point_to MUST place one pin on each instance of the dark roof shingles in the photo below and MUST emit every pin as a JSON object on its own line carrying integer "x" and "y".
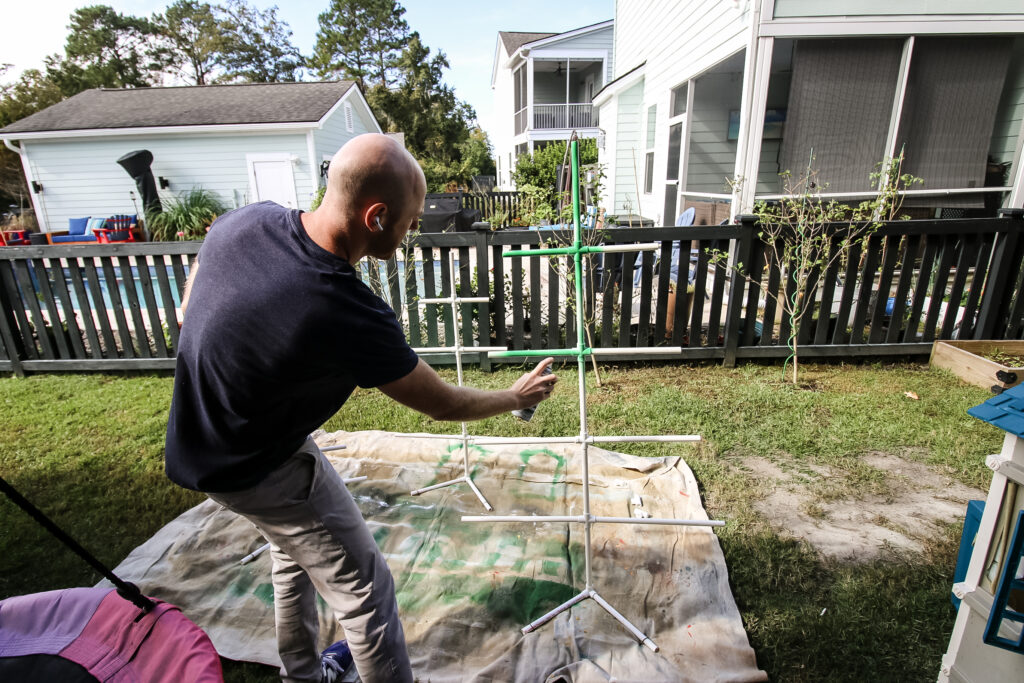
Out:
{"x": 513, "y": 40}
{"x": 250, "y": 103}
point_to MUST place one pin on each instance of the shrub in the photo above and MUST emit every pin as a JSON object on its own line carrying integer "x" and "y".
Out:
{"x": 186, "y": 217}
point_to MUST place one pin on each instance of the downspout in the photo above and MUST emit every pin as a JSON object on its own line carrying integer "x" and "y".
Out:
{"x": 38, "y": 206}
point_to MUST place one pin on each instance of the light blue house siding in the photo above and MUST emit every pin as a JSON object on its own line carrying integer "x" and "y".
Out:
{"x": 80, "y": 176}
{"x": 628, "y": 150}
{"x": 334, "y": 133}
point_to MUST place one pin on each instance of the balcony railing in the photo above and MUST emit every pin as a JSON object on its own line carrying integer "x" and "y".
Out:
{"x": 563, "y": 116}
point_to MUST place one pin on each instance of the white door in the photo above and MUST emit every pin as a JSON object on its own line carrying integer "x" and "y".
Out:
{"x": 272, "y": 179}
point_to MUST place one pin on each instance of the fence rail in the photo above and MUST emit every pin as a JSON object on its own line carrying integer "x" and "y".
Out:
{"x": 117, "y": 307}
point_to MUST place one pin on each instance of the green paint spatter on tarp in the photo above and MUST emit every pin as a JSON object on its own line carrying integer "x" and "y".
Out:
{"x": 550, "y": 567}
{"x": 521, "y": 600}
{"x": 559, "y": 466}
{"x": 380, "y": 535}
{"x": 265, "y": 593}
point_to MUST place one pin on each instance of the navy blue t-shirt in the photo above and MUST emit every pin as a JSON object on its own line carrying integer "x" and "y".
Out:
{"x": 277, "y": 335}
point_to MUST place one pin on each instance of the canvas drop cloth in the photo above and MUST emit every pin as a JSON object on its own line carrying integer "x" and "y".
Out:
{"x": 466, "y": 589}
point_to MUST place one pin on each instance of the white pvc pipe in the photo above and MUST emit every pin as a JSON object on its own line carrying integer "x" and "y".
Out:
{"x": 637, "y": 633}
{"x": 437, "y": 486}
{"x": 582, "y": 519}
{"x": 646, "y": 246}
{"x": 458, "y": 300}
{"x": 460, "y": 349}
{"x": 609, "y": 351}
{"x": 668, "y": 438}
{"x": 656, "y": 520}
{"x": 558, "y": 610}
{"x": 327, "y": 449}
{"x": 523, "y": 518}
{"x": 636, "y": 350}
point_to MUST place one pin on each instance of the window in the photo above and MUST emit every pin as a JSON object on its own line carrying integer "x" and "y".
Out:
{"x": 678, "y": 105}
{"x": 675, "y": 142}
{"x": 652, "y": 117}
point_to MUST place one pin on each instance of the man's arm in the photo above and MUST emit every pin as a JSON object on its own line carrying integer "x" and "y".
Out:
{"x": 423, "y": 390}
{"x": 188, "y": 286}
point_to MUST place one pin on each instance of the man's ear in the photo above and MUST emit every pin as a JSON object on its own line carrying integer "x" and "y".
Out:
{"x": 373, "y": 215}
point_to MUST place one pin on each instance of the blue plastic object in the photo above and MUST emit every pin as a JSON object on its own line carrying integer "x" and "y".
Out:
{"x": 975, "y": 508}
{"x": 1009, "y": 586}
{"x": 1005, "y": 411}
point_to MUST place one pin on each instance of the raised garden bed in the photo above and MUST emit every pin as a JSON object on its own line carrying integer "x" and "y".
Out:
{"x": 996, "y": 364}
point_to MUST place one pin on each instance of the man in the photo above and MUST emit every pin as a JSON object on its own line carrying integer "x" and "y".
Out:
{"x": 278, "y": 334}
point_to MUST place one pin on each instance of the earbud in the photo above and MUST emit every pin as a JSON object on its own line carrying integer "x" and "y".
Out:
{"x": 380, "y": 228}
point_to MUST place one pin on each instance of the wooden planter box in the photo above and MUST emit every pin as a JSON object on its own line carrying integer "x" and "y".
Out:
{"x": 966, "y": 360}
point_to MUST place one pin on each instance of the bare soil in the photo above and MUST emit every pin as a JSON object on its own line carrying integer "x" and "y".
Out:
{"x": 891, "y": 504}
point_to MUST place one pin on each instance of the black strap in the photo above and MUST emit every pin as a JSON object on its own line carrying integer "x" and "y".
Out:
{"x": 128, "y": 591}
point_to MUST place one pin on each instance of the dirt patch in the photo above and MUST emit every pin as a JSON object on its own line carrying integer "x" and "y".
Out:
{"x": 905, "y": 503}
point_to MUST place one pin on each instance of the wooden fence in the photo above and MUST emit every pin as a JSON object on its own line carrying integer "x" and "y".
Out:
{"x": 493, "y": 205}
{"x": 116, "y": 307}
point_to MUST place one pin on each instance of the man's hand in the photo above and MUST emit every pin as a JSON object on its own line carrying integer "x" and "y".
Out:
{"x": 424, "y": 391}
{"x": 534, "y": 387}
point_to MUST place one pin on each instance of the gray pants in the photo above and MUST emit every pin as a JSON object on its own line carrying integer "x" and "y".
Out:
{"x": 320, "y": 544}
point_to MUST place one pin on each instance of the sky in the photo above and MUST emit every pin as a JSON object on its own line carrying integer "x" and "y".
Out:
{"x": 465, "y": 30}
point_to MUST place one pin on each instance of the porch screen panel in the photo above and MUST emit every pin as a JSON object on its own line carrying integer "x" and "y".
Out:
{"x": 949, "y": 113}
{"x": 840, "y": 103}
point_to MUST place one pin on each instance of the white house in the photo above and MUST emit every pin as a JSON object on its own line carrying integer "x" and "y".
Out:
{"x": 847, "y": 83}
{"x": 246, "y": 143}
{"x": 543, "y": 85}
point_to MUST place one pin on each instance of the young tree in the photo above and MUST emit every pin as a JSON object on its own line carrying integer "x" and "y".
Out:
{"x": 806, "y": 233}
{"x": 257, "y": 45}
{"x": 361, "y": 40}
{"x": 191, "y": 42}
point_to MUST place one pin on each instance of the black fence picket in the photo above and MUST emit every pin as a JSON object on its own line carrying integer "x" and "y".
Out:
{"x": 114, "y": 307}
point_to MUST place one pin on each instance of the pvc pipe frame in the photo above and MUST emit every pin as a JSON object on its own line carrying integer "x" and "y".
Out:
{"x": 584, "y": 439}
{"x": 458, "y": 350}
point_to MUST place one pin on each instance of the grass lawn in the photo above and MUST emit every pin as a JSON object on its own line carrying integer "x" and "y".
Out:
{"x": 87, "y": 449}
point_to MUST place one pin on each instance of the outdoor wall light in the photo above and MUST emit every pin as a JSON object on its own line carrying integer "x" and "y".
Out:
{"x": 37, "y": 187}
{"x": 164, "y": 182}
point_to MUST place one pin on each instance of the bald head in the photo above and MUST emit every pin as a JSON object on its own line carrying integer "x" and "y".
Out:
{"x": 373, "y": 168}
{"x": 374, "y": 197}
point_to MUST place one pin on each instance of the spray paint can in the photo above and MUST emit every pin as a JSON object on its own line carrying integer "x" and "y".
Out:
{"x": 527, "y": 413}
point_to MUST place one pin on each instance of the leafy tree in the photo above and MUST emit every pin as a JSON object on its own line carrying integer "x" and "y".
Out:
{"x": 32, "y": 92}
{"x": 539, "y": 168}
{"x": 104, "y": 49}
{"x": 257, "y": 45}
{"x": 361, "y": 40}
{"x": 435, "y": 122}
{"x": 191, "y": 40}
